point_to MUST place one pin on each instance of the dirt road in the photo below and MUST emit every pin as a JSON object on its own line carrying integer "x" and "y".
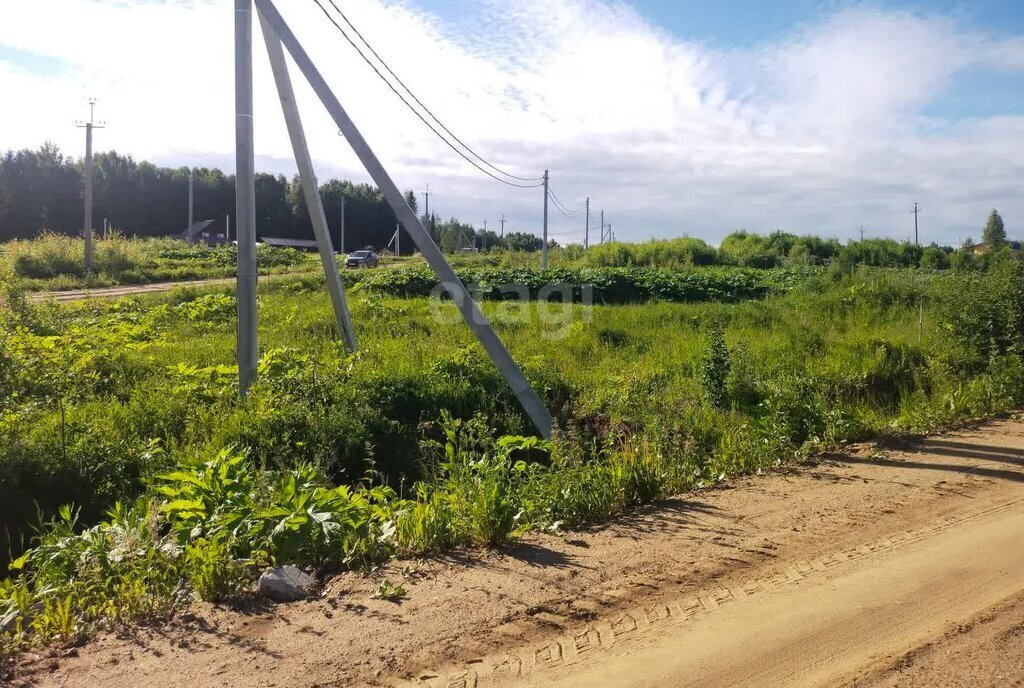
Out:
{"x": 154, "y": 287}
{"x": 880, "y": 567}
{"x": 123, "y": 290}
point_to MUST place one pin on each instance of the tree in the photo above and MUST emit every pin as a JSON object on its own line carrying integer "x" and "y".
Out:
{"x": 995, "y": 233}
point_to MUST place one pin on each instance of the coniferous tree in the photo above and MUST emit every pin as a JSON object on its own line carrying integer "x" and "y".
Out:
{"x": 995, "y": 232}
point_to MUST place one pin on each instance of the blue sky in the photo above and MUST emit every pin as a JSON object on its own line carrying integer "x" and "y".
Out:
{"x": 675, "y": 117}
{"x": 746, "y": 23}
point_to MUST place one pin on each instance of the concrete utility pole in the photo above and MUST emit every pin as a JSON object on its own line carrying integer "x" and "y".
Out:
{"x": 503, "y": 225}
{"x": 245, "y": 198}
{"x": 398, "y": 245}
{"x": 586, "y": 233}
{"x": 474, "y": 317}
{"x": 426, "y": 202}
{"x": 917, "y": 211}
{"x": 89, "y": 173}
{"x": 191, "y": 216}
{"x": 544, "y": 247}
{"x": 227, "y": 228}
{"x": 341, "y": 226}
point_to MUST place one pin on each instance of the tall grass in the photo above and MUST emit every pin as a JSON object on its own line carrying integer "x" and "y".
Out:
{"x": 415, "y": 444}
{"x": 57, "y": 261}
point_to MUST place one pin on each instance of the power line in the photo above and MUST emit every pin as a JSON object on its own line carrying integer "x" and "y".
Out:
{"x": 561, "y": 206}
{"x": 555, "y": 198}
{"x": 425, "y": 108}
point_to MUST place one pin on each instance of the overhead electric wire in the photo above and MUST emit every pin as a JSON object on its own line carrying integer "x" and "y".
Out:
{"x": 559, "y": 203}
{"x": 425, "y": 108}
{"x": 560, "y": 207}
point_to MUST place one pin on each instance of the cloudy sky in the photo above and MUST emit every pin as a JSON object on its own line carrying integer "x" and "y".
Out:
{"x": 675, "y": 116}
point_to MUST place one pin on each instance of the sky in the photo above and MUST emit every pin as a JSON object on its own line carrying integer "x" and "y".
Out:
{"x": 676, "y": 117}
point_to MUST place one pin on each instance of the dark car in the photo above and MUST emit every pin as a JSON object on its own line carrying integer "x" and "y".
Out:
{"x": 362, "y": 259}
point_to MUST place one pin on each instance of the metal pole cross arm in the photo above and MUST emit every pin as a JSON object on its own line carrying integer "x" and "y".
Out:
{"x": 474, "y": 317}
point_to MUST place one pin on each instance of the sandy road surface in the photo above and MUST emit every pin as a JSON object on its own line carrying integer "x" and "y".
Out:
{"x": 154, "y": 287}
{"x": 124, "y": 290}
{"x": 880, "y": 567}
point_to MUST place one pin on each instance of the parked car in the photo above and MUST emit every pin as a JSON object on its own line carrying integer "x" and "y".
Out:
{"x": 362, "y": 259}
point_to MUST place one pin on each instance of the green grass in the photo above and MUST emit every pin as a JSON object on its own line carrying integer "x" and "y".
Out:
{"x": 56, "y": 261}
{"x": 415, "y": 444}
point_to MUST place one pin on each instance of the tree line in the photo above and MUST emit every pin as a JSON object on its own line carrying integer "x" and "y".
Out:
{"x": 41, "y": 190}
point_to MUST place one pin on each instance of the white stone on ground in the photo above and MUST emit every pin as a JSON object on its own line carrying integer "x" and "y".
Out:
{"x": 286, "y": 584}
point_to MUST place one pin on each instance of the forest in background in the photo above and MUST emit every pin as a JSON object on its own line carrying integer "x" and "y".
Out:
{"x": 41, "y": 190}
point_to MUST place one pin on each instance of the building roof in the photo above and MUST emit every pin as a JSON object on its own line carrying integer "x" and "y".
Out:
{"x": 983, "y": 246}
{"x": 208, "y": 227}
{"x": 291, "y": 243}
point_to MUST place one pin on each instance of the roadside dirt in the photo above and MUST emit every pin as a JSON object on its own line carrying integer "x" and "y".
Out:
{"x": 988, "y": 650}
{"x": 898, "y": 566}
{"x": 119, "y": 291}
{"x": 153, "y": 287}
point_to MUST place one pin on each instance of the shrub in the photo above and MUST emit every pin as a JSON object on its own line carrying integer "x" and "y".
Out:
{"x": 713, "y": 368}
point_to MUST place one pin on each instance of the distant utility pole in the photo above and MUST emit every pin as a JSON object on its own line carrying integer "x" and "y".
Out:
{"x": 426, "y": 202}
{"x": 544, "y": 247}
{"x": 341, "y": 226}
{"x": 611, "y": 234}
{"x": 862, "y": 233}
{"x": 586, "y": 233}
{"x": 191, "y": 216}
{"x": 87, "y": 222}
{"x": 917, "y": 211}
{"x": 503, "y": 225}
{"x": 602, "y": 227}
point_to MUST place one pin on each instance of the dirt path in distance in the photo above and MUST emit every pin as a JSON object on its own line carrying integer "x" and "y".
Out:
{"x": 153, "y": 287}
{"x": 878, "y": 567}
{"x": 122, "y": 290}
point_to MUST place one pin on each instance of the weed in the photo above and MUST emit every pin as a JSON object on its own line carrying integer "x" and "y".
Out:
{"x": 386, "y": 590}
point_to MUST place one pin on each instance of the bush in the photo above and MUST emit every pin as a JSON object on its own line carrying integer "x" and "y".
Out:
{"x": 713, "y": 369}
{"x": 604, "y": 285}
{"x": 985, "y": 312}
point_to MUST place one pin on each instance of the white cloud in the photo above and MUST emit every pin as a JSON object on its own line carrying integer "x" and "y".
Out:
{"x": 820, "y": 132}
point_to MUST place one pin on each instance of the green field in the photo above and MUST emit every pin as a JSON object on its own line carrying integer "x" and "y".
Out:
{"x": 415, "y": 444}
{"x": 54, "y": 261}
